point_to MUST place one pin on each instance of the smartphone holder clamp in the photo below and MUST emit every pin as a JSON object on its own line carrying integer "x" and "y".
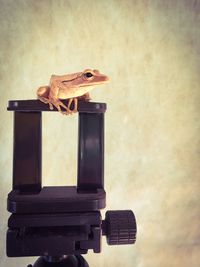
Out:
{"x": 60, "y": 223}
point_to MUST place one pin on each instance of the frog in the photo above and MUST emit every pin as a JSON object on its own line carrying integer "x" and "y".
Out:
{"x": 74, "y": 87}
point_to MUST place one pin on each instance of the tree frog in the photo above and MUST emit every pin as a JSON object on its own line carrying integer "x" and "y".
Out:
{"x": 70, "y": 86}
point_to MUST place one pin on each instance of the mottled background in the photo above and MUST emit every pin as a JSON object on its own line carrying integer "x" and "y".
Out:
{"x": 151, "y": 52}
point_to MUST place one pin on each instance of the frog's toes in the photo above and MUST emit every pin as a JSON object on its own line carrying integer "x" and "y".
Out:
{"x": 50, "y": 106}
{"x": 67, "y": 112}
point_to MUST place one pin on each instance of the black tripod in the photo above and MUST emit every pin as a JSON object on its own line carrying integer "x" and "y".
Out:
{"x": 61, "y": 223}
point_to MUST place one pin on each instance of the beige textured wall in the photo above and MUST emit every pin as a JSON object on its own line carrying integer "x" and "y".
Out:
{"x": 151, "y": 51}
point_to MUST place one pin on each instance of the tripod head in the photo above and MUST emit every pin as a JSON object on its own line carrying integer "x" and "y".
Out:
{"x": 63, "y": 261}
{"x": 53, "y": 222}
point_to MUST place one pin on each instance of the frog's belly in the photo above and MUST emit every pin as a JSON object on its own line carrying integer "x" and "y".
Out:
{"x": 73, "y": 92}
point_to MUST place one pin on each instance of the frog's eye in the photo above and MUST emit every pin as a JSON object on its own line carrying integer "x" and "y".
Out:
{"x": 88, "y": 75}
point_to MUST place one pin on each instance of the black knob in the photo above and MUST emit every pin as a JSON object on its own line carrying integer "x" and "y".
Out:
{"x": 120, "y": 227}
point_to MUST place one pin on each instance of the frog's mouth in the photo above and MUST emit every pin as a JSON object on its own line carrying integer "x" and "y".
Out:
{"x": 93, "y": 84}
{"x": 98, "y": 82}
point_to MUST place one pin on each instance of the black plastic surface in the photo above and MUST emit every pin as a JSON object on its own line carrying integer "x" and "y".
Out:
{"x": 37, "y": 105}
{"x": 66, "y": 261}
{"x": 56, "y": 199}
{"x": 91, "y": 152}
{"x": 120, "y": 227}
{"x": 58, "y": 221}
{"x": 70, "y": 233}
{"x": 27, "y": 151}
{"x": 54, "y": 219}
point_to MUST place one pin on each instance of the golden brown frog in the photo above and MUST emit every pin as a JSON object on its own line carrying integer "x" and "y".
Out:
{"x": 70, "y": 86}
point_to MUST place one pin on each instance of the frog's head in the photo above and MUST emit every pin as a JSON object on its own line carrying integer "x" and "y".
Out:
{"x": 90, "y": 78}
{"x": 94, "y": 77}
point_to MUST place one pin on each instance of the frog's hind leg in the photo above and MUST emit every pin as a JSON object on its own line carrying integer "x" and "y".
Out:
{"x": 43, "y": 95}
{"x": 46, "y": 101}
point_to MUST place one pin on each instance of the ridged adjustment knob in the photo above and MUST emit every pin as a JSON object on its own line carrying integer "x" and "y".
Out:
{"x": 120, "y": 227}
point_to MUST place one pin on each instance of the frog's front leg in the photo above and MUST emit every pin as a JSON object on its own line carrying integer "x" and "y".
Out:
{"x": 75, "y": 104}
{"x": 86, "y": 97}
{"x": 58, "y": 104}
